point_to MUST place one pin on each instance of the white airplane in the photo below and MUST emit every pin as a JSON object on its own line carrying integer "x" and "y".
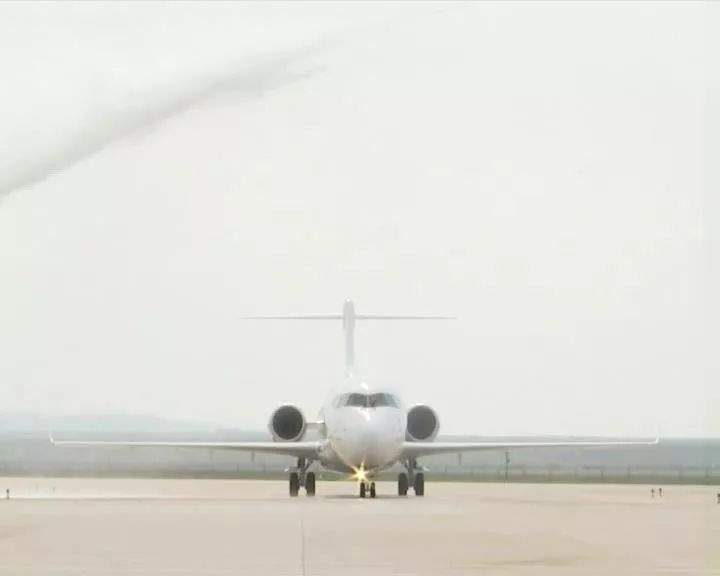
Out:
{"x": 362, "y": 430}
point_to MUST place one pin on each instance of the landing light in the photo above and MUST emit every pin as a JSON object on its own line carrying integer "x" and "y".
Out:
{"x": 360, "y": 474}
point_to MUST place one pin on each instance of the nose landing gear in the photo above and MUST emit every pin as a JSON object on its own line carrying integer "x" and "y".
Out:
{"x": 366, "y": 487}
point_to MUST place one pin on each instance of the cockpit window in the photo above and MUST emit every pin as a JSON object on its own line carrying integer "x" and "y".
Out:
{"x": 381, "y": 399}
{"x": 358, "y": 400}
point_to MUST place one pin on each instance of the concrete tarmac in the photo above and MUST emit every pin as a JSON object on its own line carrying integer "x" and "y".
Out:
{"x": 123, "y": 527}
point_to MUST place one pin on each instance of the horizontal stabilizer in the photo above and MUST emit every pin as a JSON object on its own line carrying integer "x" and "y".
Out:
{"x": 348, "y": 318}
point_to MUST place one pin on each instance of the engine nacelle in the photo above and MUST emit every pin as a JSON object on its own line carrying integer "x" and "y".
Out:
{"x": 287, "y": 424}
{"x": 423, "y": 423}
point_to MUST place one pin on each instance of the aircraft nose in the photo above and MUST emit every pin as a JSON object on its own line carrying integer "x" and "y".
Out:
{"x": 370, "y": 440}
{"x": 370, "y": 436}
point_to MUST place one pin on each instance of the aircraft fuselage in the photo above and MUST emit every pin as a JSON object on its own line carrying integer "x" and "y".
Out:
{"x": 369, "y": 436}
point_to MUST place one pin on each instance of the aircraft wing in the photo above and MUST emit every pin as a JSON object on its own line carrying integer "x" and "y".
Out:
{"x": 417, "y": 449}
{"x": 296, "y": 449}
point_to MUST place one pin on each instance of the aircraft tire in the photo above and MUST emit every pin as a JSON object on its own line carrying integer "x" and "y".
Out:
{"x": 310, "y": 483}
{"x": 362, "y": 489}
{"x": 294, "y": 484}
{"x": 419, "y": 484}
{"x": 402, "y": 484}
{"x": 372, "y": 490}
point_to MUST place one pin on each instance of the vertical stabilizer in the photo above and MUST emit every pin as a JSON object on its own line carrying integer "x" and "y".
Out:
{"x": 348, "y": 318}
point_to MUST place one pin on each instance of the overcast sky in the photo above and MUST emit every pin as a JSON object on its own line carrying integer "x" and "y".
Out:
{"x": 547, "y": 172}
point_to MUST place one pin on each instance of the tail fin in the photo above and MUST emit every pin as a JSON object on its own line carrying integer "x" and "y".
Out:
{"x": 349, "y": 317}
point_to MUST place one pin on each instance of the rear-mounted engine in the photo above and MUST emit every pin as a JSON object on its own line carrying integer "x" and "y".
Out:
{"x": 422, "y": 423}
{"x": 287, "y": 424}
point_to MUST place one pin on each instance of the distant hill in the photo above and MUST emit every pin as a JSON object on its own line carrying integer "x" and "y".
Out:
{"x": 118, "y": 427}
{"x": 136, "y": 423}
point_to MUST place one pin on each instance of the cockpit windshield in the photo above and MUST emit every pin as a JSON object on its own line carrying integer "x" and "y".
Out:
{"x": 358, "y": 400}
{"x": 381, "y": 399}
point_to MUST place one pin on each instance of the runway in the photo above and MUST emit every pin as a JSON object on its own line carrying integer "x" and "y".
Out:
{"x": 221, "y": 527}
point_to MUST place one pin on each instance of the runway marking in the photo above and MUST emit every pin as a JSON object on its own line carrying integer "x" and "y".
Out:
{"x": 302, "y": 546}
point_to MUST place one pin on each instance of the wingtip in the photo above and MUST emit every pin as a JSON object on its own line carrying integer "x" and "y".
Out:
{"x": 657, "y": 434}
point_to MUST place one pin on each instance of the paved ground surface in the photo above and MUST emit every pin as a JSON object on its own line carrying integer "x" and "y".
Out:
{"x": 210, "y": 527}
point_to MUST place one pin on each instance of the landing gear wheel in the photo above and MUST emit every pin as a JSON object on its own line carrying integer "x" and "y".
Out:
{"x": 402, "y": 484}
{"x": 362, "y": 489}
{"x": 294, "y": 484}
{"x": 372, "y": 490}
{"x": 310, "y": 483}
{"x": 419, "y": 484}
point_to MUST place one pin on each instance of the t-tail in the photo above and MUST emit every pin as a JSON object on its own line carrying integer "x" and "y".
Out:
{"x": 349, "y": 317}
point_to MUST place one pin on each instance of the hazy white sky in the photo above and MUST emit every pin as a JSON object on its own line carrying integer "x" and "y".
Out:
{"x": 544, "y": 171}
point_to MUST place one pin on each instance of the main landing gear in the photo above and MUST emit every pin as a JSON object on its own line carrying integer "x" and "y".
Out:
{"x": 301, "y": 478}
{"x": 414, "y": 477}
{"x": 367, "y": 487}
{"x": 419, "y": 484}
{"x": 402, "y": 484}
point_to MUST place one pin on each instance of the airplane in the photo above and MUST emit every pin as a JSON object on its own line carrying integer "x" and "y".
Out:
{"x": 362, "y": 430}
